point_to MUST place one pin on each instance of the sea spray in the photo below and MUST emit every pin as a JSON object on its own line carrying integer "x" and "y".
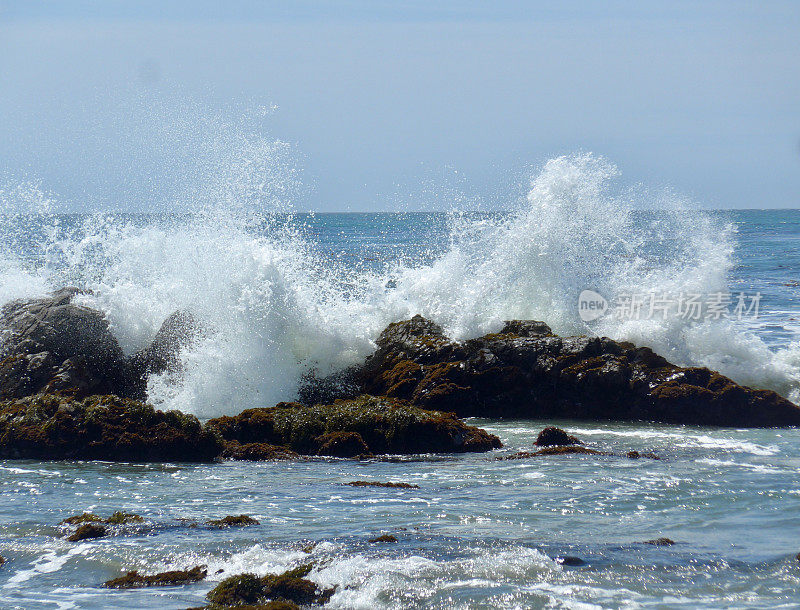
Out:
{"x": 274, "y": 307}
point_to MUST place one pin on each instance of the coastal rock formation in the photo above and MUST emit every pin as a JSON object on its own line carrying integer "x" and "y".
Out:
{"x": 52, "y": 345}
{"x": 385, "y": 425}
{"x": 526, "y": 371}
{"x": 49, "y": 426}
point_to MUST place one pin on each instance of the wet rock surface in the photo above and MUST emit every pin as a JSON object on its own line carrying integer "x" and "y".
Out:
{"x": 526, "y": 371}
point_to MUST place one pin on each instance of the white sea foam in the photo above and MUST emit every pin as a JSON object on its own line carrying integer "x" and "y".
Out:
{"x": 272, "y": 308}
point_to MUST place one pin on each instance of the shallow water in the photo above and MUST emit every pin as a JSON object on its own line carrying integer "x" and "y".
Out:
{"x": 477, "y": 533}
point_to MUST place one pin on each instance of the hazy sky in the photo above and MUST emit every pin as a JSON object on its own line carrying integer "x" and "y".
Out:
{"x": 398, "y": 104}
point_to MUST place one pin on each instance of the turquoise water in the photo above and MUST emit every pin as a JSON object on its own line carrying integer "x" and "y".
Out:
{"x": 478, "y": 532}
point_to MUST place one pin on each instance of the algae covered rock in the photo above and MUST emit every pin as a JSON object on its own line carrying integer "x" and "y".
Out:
{"x": 552, "y": 436}
{"x": 249, "y": 589}
{"x": 88, "y": 531}
{"x": 385, "y": 425}
{"x": 232, "y": 521}
{"x": 172, "y": 578}
{"x": 54, "y": 427}
{"x": 341, "y": 444}
{"x": 526, "y": 371}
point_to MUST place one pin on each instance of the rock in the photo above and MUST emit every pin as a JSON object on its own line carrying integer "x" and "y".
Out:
{"x": 2, "y": 560}
{"x": 341, "y": 444}
{"x": 386, "y": 425}
{"x": 133, "y": 579}
{"x": 569, "y": 560}
{"x": 557, "y": 450}
{"x": 52, "y": 427}
{"x": 527, "y": 372}
{"x": 379, "y": 484}
{"x": 257, "y": 452}
{"x": 232, "y": 521}
{"x": 177, "y": 332}
{"x": 82, "y": 518}
{"x": 51, "y": 344}
{"x": 249, "y": 589}
{"x": 384, "y": 538}
{"x": 87, "y": 531}
{"x": 660, "y": 542}
{"x": 551, "y": 436}
{"x": 117, "y": 518}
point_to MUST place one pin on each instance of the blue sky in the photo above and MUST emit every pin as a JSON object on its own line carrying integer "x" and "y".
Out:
{"x": 389, "y": 105}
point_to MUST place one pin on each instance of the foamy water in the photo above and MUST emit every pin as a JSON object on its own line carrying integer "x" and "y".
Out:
{"x": 478, "y": 533}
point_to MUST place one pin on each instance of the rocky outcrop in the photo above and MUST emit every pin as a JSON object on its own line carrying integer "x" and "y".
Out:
{"x": 52, "y": 345}
{"x": 385, "y": 425}
{"x": 49, "y": 426}
{"x": 526, "y": 371}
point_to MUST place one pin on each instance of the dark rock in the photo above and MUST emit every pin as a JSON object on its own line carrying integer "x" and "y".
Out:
{"x": 384, "y": 538}
{"x": 526, "y": 371}
{"x": 87, "y": 531}
{"x": 51, "y": 344}
{"x": 2, "y": 560}
{"x": 569, "y": 560}
{"x": 660, "y": 542}
{"x": 133, "y": 579}
{"x": 551, "y": 436}
{"x": 82, "y": 518}
{"x": 386, "y": 425}
{"x": 53, "y": 427}
{"x": 249, "y": 589}
{"x": 117, "y": 518}
{"x": 526, "y": 328}
{"x": 341, "y": 444}
{"x": 379, "y": 484}
{"x": 177, "y": 332}
{"x": 232, "y": 521}
{"x": 257, "y": 452}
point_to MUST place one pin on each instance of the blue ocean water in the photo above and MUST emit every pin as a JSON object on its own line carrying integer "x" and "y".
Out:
{"x": 282, "y": 294}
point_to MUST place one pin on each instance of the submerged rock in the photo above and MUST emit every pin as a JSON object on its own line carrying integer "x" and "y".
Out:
{"x": 233, "y": 521}
{"x": 117, "y": 518}
{"x": 101, "y": 428}
{"x": 133, "y": 580}
{"x": 569, "y": 560}
{"x": 527, "y": 371}
{"x": 379, "y": 484}
{"x": 385, "y": 425}
{"x": 660, "y": 542}
{"x": 551, "y": 436}
{"x": 555, "y": 450}
{"x": 384, "y": 538}
{"x": 249, "y": 589}
{"x": 87, "y": 531}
